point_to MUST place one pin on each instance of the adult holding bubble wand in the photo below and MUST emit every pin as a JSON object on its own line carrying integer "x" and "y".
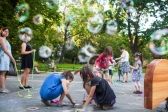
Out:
{"x": 26, "y": 59}
{"x": 5, "y": 57}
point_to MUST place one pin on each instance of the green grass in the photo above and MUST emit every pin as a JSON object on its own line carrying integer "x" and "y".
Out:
{"x": 59, "y": 67}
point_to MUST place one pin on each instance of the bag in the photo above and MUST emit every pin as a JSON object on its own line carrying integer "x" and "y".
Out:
{"x": 12, "y": 71}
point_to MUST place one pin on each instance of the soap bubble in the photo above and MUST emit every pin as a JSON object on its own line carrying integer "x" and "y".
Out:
{"x": 86, "y": 53}
{"x": 111, "y": 27}
{"x": 45, "y": 52}
{"x": 22, "y": 12}
{"x": 69, "y": 44}
{"x": 25, "y": 34}
{"x": 159, "y": 42}
{"x": 38, "y": 19}
{"x": 95, "y": 23}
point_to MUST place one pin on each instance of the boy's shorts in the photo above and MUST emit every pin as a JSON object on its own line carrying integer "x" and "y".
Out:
{"x": 110, "y": 72}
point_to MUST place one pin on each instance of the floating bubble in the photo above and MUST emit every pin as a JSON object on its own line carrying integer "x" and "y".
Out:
{"x": 25, "y": 34}
{"x": 69, "y": 44}
{"x": 22, "y": 12}
{"x": 38, "y": 19}
{"x": 52, "y": 3}
{"x": 133, "y": 12}
{"x": 95, "y": 8}
{"x": 111, "y": 27}
{"x": 95, "y": 23}
{"x": 159, "y": 42}
{"x": 86, "y": 52}
{"x": 45, "y": 52}
{"x": 126, "y": 3}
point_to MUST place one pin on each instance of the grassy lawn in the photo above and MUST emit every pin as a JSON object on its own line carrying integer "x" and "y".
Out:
{"x": 59, "y": 67}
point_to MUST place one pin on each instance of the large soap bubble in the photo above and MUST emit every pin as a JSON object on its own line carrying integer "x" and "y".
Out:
{"x": 25, "y": 34}
{"x": 159, "y": 42}
{"x": 111, "y": 27}
{"x": 38, "y": 19}
{"x": 69, "y": 44}
{"x": 95, "y": 23}
{"x": 86, "y": 52}
{"x": 45, "y": 52}
{"x": 22, "y": 12}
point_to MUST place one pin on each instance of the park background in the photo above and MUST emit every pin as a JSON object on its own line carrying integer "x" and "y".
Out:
{"x": 68, "y": 19}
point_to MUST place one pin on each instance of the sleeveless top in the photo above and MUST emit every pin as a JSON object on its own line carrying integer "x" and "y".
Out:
{"x": 4, "y": 58}
{"x": 27, "y": 59}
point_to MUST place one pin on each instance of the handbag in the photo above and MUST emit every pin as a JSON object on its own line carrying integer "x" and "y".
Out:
{"x": 12, "y": 71}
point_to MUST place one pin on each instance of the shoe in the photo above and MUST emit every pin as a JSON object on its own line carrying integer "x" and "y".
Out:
{"x": 21, "y": 87}
{"x": 139, "y": 92}
{"x": 135, "y": 92}
{"x": 27, "y": 87}
{"x": 4, "y": 91}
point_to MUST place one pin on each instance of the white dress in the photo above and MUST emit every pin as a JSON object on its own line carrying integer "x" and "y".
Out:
{"x": 4, "y": 58}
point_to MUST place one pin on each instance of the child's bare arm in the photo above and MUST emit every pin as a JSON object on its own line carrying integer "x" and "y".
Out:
{"x": 90, "y": 96}
{"x": 66, "y": 91}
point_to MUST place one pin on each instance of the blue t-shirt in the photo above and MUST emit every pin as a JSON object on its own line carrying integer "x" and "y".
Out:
{"x": 52, "y": 87}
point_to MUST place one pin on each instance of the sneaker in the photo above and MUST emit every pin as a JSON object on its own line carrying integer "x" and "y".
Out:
{"x": 139, "y": 92}
{"x": 4, "y": 91}
{"x": 135, "y": 92}
{"x": 21, "y": 87}
{"x": 27, "y": 87}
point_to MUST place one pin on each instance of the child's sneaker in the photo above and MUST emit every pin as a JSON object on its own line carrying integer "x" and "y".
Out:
{"x": 139, "y": 92}
{"x": 4, "y": 91}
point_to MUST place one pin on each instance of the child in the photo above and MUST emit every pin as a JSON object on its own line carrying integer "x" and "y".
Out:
{"x": 97, "y": 89}
{"x": 125, "y": 68}
{"x": 137, "y": 73}
{"x": 102, "y": 62}
{"x": 111, "y": 65}
{"x": 92, "y": 65}
{"x": 55, "y": 85}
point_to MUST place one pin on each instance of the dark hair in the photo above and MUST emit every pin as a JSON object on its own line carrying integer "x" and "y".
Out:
{"x": 108, "y": 50}
{"x": 68, "y": 75}
{"x": 93, "y": 59}
{"x": 3, "y": 29}
{"x": 137, "y": 54}
{"x": 86, "y": 73}
{"x": 122, "y": 47}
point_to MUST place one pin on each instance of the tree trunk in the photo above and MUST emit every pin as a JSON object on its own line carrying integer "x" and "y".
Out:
{"x": 64, "y": 43}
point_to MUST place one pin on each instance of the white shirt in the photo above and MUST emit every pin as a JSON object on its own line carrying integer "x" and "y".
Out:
{"x": 124, "y": 56}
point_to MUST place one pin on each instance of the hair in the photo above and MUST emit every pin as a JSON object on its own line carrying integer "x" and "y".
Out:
{"x": 0, "y": 30}
{"x": 122, "y": 47}
{"x": 93, "y": 59}
{"x": 137, "y": 54}
{"x": 3, "y": 29}
{"x": 68, "y": 75}
{"x": 108, "y": 50}
{"x": 86, "y": 73}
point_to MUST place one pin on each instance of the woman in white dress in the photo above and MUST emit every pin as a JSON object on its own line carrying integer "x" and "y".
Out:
{"x": 5, "y": 57}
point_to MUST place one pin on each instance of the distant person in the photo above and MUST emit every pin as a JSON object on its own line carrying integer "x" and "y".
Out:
{"x": 102, "y": 62}
{"x": 26, "y": 62}
{"x": 5, "y": 58}
{"x": 97, "y": 89}
{"x": 137, "y": 73}
{"x": 124, "y": 59}
{"x": 56, "y": 85}
{"x": 119, "y": 71}
{"x": 110, "y": 68}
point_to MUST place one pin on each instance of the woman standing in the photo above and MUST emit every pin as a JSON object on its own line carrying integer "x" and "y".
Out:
{"x": 5, "y": 57}
{"x": 26, "y": 62}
